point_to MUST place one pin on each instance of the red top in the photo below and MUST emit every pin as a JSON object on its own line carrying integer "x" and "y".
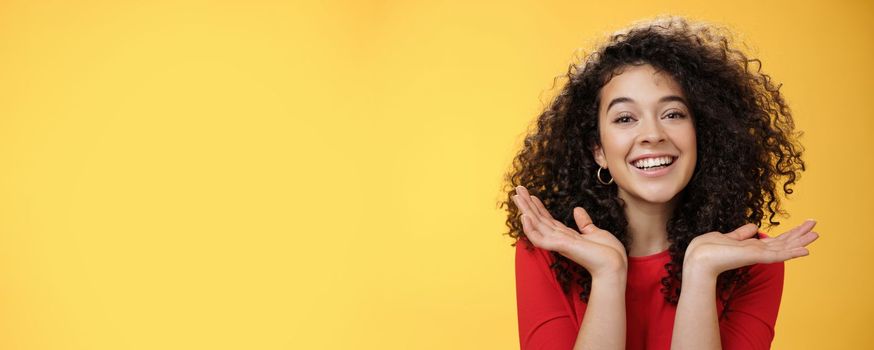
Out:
{"x": 550, "y": 319}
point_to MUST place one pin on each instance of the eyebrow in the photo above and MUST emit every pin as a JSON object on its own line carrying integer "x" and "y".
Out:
{"x": 662, "y": 100}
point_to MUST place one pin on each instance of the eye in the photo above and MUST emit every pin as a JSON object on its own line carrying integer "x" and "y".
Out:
{"x": 623, "y": 118}
{"x": 675, "y": 115}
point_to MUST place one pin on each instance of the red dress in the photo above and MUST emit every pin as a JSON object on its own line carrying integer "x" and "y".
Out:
{"x": 550, "y": 319}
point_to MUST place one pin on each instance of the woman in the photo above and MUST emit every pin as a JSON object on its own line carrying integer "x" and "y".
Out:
{"x": 649, "y": 175}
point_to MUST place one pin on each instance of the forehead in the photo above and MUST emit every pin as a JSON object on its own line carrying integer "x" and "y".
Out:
{"x": 640, "y": 83}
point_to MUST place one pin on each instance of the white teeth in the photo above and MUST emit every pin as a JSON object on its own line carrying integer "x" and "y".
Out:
{"x": 652, "y": 162}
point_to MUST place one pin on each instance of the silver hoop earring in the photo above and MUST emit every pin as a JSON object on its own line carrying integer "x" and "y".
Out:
{"x": 602, "y": 181}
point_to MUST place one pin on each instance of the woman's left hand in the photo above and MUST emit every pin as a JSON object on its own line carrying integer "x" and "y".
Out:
{"x": 715, "y": 252}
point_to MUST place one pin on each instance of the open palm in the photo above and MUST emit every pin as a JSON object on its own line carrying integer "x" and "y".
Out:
{"x": 593, "y": 248}
{"x": 716, "y": 252}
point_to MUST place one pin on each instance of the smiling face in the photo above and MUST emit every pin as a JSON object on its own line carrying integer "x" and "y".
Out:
{"x": 647, "y": 135}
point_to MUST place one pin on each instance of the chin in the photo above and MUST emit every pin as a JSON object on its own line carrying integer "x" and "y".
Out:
{"x": 660, "y": 198}
{"x": 655, "y": 194}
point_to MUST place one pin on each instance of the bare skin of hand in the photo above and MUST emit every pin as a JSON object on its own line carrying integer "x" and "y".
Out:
{"x": 597, "y": 250}
{"x": 715, "y": 252}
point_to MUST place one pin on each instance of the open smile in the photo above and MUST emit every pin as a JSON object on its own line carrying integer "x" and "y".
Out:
{"x": 654, "y": 167}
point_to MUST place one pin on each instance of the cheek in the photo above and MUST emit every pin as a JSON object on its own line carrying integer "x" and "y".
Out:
{"x": 615, "y": 139}
{"x": 690, "y": 144}
{"x": 616, "y": 148}
{"x": 684, "y": 136}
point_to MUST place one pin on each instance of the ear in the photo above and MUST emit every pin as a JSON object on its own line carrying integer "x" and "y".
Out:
{"x": 598, "y": 154}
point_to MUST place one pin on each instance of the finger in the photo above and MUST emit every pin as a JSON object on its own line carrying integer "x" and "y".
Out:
{"x": 523, "y": 201}
{"x": 773, "y": 256}
{"x": 534, "y": 236}
{"x": 538, "y": 204}
{"x": 744, "y": 232}
{"x": 584, "y": 221}
{"x": 800, "y": 242}
{"x": 548, "y": 240}
{"x": 806, "y": 239}
{"x": 523, "y": 207}
{"x": 799, "y": 230}
{"x": 794, "y": 253}
{"x": 538, "y": 222}
{"x": 543, "y": 212}
{"x": 523, "y": 204}
{"x": 529, "y": 230}
{"x": 522, "y": 191}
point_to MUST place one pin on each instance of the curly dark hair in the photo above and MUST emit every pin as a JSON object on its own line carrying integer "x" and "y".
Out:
{"x": 746, "y": 144}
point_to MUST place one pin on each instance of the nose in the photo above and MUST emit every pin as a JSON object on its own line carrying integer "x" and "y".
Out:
{"x": 652, "y": 131}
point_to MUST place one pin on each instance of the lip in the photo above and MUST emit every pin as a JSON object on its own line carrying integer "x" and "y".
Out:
{"x": 656, "y": 172}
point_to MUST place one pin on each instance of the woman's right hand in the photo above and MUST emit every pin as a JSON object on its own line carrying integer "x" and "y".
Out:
{"x": 597, "y": 250}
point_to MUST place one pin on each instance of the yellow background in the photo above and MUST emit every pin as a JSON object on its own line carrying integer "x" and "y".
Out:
{"x": 324, "y": 174}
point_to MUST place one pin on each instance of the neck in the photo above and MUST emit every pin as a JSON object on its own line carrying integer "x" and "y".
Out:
{"x": 647, "y": 224}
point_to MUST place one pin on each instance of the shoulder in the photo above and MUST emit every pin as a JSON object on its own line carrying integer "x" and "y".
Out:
{"x": 524, "y": 246}
{"x": 534, "y": 263}
{"x": 528, "y": 253}
{"x": 751, "y": 315}
{"x": 536, "y": 280}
